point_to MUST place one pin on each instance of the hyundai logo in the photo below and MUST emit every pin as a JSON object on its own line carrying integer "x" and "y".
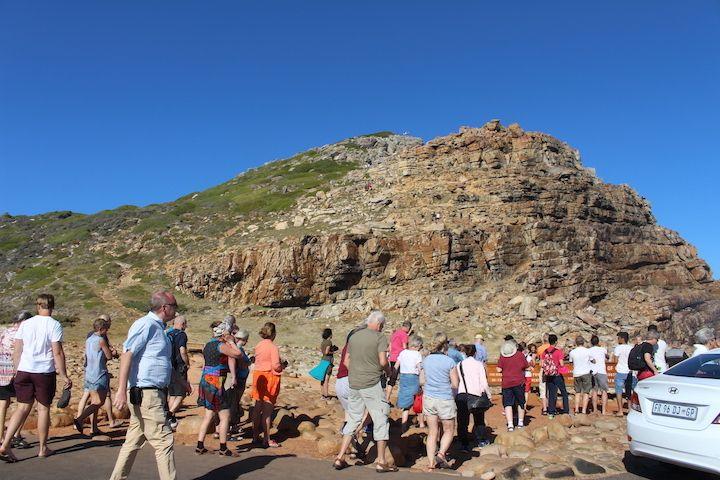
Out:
{"x": 673, "y": 390}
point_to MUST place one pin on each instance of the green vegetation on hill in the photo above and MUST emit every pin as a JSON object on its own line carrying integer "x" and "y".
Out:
{"x": 112, "y": 260}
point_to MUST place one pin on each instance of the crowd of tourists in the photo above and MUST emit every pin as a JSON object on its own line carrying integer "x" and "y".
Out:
{"x": 443, "y": 383}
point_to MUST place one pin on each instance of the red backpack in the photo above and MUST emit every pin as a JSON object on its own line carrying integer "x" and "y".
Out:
{"x": 548, "y": 365}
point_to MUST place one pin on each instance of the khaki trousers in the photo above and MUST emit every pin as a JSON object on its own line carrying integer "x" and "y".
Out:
{"x": 148, "y": 423}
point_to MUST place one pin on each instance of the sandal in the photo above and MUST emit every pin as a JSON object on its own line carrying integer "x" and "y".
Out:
{"x": 441, "y": 462}
{"x": 19, "y": 442}
{"x": 235, "y": 437}
{"x": 385, "y": 468}
{"x": 227, "y": 453}
{"x": 272, "y": 444}
{"x": 78, "y": 426}
{"x": 201, "y": 451}
{"x": 340, "y": 464}
{"x": 48, "y": 453}
{"x": 8, "y": 457}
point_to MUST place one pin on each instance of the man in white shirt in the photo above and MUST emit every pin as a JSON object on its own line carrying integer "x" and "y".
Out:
{"x": 705, "y": 338}
{"x": 38, "y": 355}
{"x": 580, "y": 358}
{"x": 598, "y": 356}
{"x": 624, "y": 380}
{"x": 659, "y": 351}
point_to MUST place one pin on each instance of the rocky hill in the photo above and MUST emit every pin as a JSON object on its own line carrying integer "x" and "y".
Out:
{"x": 492, "y": 229}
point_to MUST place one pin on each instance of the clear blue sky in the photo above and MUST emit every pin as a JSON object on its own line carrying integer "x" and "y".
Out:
{"x": 105, "y": 103}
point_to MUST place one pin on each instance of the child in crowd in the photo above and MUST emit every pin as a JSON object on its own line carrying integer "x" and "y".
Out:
{"x": 530, "y": 358}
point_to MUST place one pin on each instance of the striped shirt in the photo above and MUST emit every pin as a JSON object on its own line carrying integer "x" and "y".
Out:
{"x": 151, "y": 350}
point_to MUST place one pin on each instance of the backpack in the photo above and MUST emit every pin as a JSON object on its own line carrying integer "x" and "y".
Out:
{"x": 636, "y": 360}
{"x": 175, "y": 357}
{"x": 548, "y": 365}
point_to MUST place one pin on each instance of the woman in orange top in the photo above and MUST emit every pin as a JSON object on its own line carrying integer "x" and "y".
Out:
{"x": 266, "y": 383}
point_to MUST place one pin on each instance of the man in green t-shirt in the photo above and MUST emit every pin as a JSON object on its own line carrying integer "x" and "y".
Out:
{"x": 367, "y": 361}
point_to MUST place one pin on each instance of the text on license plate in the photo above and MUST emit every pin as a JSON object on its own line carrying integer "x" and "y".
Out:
{"x": 686, "y": 412}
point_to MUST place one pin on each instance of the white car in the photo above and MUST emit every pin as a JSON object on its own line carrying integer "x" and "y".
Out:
{"x": 674, "y": 417}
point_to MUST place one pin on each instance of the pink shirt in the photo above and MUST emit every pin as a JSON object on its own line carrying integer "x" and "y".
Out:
{"x": 267, "y": 357}
{"x": 398, "y": 342}
{"x": 475, "y": 377}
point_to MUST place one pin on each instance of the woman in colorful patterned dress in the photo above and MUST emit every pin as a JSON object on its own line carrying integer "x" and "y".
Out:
{"x": 7, "y": 372}
{"x": 211, "y": 392}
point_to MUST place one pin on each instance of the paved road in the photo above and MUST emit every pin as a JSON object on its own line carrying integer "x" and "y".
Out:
{"x": 85, "y": 459}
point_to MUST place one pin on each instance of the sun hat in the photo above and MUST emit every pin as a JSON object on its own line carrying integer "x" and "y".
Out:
{"x": 508, "y": 349}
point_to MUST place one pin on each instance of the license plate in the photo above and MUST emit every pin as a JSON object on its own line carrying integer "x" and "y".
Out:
{"x": 685, "y": 412}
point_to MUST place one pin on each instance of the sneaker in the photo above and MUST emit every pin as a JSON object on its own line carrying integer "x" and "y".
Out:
{"x": 520, "y": 425}
{"x": 173, "y": 422}
{"x": 510, "y": 429}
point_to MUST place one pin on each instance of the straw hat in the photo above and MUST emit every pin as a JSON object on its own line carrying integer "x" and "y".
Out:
{"x": 508, "y": 349}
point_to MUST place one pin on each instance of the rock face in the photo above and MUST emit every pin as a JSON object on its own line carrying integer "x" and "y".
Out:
{"x": 486, "y": 211}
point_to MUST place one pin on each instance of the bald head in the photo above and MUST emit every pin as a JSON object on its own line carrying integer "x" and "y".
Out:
{"x": 163, "y": 304}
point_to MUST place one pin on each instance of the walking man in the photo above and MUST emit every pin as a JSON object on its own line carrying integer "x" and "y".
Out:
{"x": 145, "y": 369}
{"x": 179, "y": 387}
{"x": 38, "y": 355}
{"x": 366, "y": 362}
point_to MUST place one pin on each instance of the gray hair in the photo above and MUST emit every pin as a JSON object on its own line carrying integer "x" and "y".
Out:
{"x": 652, "y": 335}
{"x": 242, "y": 334}
{"x": 376, "y": 316}
{"x": 22, "y": 316}
{"x": 415, "y": 341}
{"x": 705, "y": 335}
{"x": 105, "y": 317}
{"x": 229, "y": 319}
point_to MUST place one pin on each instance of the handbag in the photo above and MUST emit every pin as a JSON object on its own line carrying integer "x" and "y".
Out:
{"x": 473, "y": 402}
{"x": 418, "y": 404}
{"x": 318, "y": 373}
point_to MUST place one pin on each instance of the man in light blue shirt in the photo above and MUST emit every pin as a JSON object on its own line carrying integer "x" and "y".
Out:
{"x": 480, "y": 350}
{"x": 145, "y": 368}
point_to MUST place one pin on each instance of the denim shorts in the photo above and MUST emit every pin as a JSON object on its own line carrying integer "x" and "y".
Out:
{"x": 620, "y": 379}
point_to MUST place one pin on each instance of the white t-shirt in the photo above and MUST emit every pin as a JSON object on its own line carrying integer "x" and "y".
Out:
{"x": 598, "y": 354}
{"x": 699, "y": 349}
{"x": 529, "y": 372}
{"x": 622, "y": 352}
{"x": 37, "y": 334}
{"x": 659, "y": 356}
{"x": 580, "y": 357}
{"x": 410, "y": 361}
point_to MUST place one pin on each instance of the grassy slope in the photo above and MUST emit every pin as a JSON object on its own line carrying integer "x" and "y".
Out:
{"x": 112, "y": 260}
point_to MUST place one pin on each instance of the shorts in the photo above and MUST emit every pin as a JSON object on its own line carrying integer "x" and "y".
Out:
{"x": 266, "y": 386}
{"x": 542, "y": 387}
{"x": 7, "y": 391}
{"x": 620, "y": 381}
{"x": 443, "y": 409}
{"x": 372, "y": 399}
{"x": 600, "y": 382}
{"x": 528, "y": 384}
{"x": 342, "y": 390}
{"x": 35, "y": 386}
{"x": 514, "y": 396}
{"x": 583, "y": 383}
{"x": 178, "y": 382}
{"x": 102, "y": 385}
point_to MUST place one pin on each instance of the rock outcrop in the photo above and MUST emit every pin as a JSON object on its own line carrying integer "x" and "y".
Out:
{"x": 488, "y": 209}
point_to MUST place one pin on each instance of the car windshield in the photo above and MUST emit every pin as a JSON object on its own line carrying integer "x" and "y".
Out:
{"x": 706, "y": 365}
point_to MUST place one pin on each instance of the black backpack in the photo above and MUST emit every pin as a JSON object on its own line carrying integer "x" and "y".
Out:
{"x": 636, "y": 359}
{"x": 175, "y": 358}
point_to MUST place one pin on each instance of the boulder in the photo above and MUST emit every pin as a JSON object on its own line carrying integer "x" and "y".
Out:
{"x": 557, "y": 432}
{"x": 306, "y": 426}
{"x": 310, "y": 435}
{"x": 190, "y": 425}
{"x": 61, "y": 420}
{"x": 328, "y": 446}
{"x": 586, "y": 467}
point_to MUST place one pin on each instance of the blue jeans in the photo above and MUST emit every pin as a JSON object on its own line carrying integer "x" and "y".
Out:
{"x": 555, "y": 383}
{"x": 625, "y": 383}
